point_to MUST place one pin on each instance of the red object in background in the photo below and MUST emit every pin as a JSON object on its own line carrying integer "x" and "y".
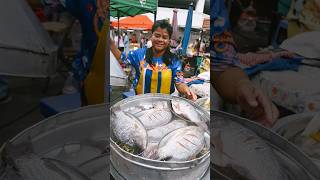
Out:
{"x": 136, "y": 22}
{"x": 40, "y": 14}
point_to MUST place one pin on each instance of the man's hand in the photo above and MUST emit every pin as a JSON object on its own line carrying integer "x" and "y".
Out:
{"x": 255, "y": 104}
{"x": 185, "y": 90}
{"x": 190, "y": 95}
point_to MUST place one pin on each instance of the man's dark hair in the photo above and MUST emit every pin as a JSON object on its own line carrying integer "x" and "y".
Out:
{"x": 163, "y": 24}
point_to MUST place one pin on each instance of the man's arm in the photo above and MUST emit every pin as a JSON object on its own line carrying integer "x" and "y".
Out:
{"x": 115, "y": 51}
{"x": 235, "y": 87}
{"x": 226, "y": 82}
{"x": 185, "y": 90}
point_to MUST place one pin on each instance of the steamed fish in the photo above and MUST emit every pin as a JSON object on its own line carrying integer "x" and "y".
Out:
{"x": 182, "y": 144}
{"x": 155, "y": 117}
{"x": 186, "y": 110}
{"x": 156, "y": 134}
{"x": 242, "y": 150}
{"x": 129, "y": 130}
{"x": 23, "y": 164}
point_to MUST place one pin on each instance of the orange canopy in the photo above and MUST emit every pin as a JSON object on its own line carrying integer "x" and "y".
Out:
{"x": 136, "y": 22}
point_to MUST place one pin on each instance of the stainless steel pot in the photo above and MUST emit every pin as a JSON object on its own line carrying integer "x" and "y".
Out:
{"x": 295, "y": 161}
{"x": 133, "y": 167}
{"x": 77, "y": 137}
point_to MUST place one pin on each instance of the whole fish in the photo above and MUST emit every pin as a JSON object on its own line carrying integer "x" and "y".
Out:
{"x": 155, "y": 117}
{"x": 186, "y": 110}
{"x": 128, "y": 129}
{"x": 156, "y": 134}
{"x": 23, "y": 164}
{"x": 182, "y": 144}
{"x": 242, "y": 150}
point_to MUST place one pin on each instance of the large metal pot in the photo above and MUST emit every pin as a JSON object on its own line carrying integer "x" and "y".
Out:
{"x": 295, "y": 161}
{"x": 77, "y": 137}
{"x": 134, "y": 167}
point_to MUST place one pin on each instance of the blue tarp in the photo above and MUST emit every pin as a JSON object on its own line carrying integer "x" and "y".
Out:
{"x": 278, "y": 64}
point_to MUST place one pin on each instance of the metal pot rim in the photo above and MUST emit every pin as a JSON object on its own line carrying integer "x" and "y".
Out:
{"x": 200, "y": 159}
{"x": 168, "y": 97}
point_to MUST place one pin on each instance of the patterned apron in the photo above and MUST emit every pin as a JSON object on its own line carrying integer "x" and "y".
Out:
{"x": 155, "y": 79}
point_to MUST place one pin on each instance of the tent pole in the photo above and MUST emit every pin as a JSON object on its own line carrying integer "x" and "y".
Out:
{"x": 155, "y": 17}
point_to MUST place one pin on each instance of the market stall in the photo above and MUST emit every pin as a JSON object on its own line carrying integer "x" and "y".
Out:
{"x": 156, "y": 102}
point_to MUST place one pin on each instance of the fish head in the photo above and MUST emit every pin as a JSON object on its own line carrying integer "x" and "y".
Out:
{"x": 142, "y": 142}
{"x": 116, "y": 111}
{"x": 177, "y": 106}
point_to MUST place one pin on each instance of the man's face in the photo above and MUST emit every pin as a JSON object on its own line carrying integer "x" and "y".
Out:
{"x": 160, "y": 39}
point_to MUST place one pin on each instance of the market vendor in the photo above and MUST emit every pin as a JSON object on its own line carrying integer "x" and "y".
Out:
{"x": 229, "y": 79}
{"x": 157, "y": 69}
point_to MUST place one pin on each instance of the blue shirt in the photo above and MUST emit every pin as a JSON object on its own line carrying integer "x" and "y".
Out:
{"x": 134, "y": 58}
{"x": 222, "y": 47}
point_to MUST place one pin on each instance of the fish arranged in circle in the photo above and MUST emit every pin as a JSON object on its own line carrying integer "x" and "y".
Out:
{"x": 162, "y": 130}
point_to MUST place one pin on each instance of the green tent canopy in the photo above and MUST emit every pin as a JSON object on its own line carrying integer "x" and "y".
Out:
{"x": 122, "y": 8}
